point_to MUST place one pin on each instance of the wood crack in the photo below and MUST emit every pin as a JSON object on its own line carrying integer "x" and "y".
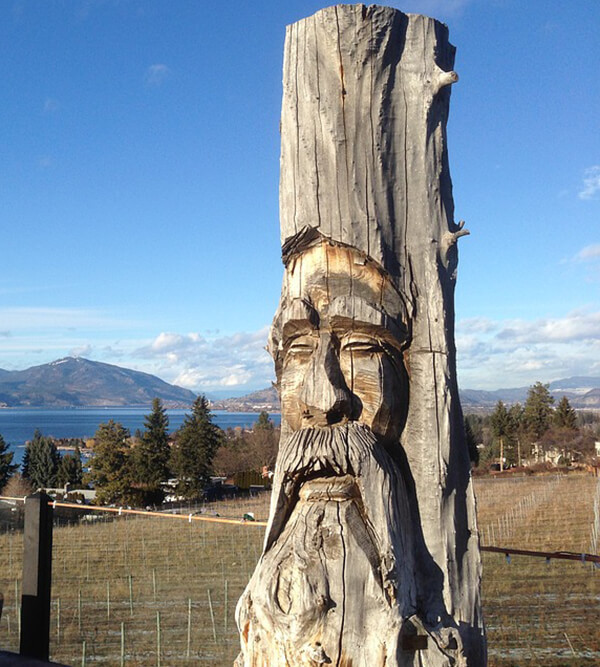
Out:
{"x": 344, "y": 574}
{"x": 320, "y": 120}
{"x": 344, "y": 128}
{"x": 296, "y": 172}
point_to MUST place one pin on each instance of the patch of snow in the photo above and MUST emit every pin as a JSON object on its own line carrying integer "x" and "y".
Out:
{"x": 573, "y": 390}
{"x": 59, "y": 361}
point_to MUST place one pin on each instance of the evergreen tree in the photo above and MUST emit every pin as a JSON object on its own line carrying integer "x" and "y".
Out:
{"x": 502, "y": 427}
{"x": 264, "y": 422}
{"x": 537, "y": 414}
{"x": 517, "y": 425}
{"x": 564, "y": 415}
{"x": 110, "y": 464}
{"x": 7, "y": 467}
{"x": 515, "y": 413}
{"x": 151, "y": 455}
{"x": 27, "y": 455}
{"x": 41, "y": 461}
{"x": 70, "y": 470}
{"x": 195, "y": 447}
{"x": 471, "y": 443}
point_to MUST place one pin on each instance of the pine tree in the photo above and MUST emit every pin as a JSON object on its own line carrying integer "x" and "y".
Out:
{"x": 471, "y": 443}
{"x": 264, "y": 422}
{"x": 27, "y": 455}
{"x": 7, "y": 467}
{"x": 564, "y": 415}
{"x": 110, "y": 470}
{"x": 515, "y": 414}
{"x": 41, "y": 461}
{"x": 502, "y": 428}
{"x": 151, "y": 456}
{"x": 196, "y": 444}
{"x": 70, "y": 470}
{"x": 537, "y": 414}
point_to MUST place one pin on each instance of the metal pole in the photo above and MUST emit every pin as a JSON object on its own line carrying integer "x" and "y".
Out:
{"x": 37, "y": 577}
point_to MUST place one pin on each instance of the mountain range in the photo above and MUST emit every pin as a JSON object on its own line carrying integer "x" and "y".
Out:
{"x": 582, "y": 392}
{"x": 78, "y": 382}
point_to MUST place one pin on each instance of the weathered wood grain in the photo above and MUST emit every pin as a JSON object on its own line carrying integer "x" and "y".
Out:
{"x": 371, "y": 556}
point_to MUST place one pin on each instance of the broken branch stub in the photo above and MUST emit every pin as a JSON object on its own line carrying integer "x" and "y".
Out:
{"x": 371, "y": 555}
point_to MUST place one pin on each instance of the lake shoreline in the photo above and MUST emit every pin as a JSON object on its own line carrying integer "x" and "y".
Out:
{"x": 17, "y": 425}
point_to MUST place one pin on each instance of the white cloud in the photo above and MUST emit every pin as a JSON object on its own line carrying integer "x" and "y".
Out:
{"x": 513, "y": 353}
{"x": 589, "y": 252}
{"x": 576, "y": 326}
{"x": 156, "y": 75}
{"x": 591, "y": 183}
{"x": 491, "y": 353}
{"x": 171, "y": 343}
{"x": 477, "y": 325}
{"x": 201, "y": 364}
{"x": 81, "y": 351}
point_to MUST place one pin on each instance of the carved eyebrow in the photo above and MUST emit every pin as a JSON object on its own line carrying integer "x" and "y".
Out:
{"x": 363, "y": 314}
{"x": 299, "y": 317}
{"x": 294, "y": 328}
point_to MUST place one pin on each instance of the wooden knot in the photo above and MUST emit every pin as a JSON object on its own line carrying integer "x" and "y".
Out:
{"x": 316, "y": 654}
{"x": 443, "y": 79}
{"x": 450, "y": 238}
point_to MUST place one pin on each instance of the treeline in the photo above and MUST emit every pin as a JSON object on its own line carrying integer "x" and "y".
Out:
{"x": 140, "y": 469}
{"x": 519, "y": 434}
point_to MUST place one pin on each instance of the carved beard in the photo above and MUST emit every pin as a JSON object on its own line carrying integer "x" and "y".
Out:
{"x": 337, "y": 562}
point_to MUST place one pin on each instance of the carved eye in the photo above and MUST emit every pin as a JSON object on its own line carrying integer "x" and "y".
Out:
{"x": 361, "y": 345}
{"x": 300, "y": 347}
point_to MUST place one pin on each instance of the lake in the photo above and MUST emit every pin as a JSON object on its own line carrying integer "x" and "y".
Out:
{"x": 17, "y": 425}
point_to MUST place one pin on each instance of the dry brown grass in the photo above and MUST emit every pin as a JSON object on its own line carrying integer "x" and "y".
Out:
{"x": 536, "y": 614}
{"x": 171, "y": 564}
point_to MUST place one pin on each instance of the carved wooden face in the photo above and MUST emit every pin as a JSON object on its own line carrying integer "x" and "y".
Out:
{"x": 337, "y": 343}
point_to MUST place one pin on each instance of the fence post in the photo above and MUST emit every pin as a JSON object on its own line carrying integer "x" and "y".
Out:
{"x": 37, "y": 576}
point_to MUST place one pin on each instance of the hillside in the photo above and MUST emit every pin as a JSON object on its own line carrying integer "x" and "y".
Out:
{"x": 77, "y": 382}
{"x": 582, "y": 392}
{"x": 264, "y": 399}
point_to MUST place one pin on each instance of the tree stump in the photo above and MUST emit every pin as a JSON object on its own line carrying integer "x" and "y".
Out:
{"x": 371, "y": 556}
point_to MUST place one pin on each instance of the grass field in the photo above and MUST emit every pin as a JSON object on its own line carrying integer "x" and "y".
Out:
{"x": 153, "y": 591}
{"x": 537, "y": 613}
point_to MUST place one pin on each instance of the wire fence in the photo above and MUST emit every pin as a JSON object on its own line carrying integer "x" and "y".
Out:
{"x": 132, "y": 589}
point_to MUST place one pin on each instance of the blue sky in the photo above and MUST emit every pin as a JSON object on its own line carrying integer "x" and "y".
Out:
{"x": 139, "y": 173}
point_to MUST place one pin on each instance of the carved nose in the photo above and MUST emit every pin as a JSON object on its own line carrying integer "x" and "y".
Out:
{"x": 324, "y": 397}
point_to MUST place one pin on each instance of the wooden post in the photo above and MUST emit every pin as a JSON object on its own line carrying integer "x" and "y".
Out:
{"x": 371, "y": 555}
{"x": 37, "y": 577}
